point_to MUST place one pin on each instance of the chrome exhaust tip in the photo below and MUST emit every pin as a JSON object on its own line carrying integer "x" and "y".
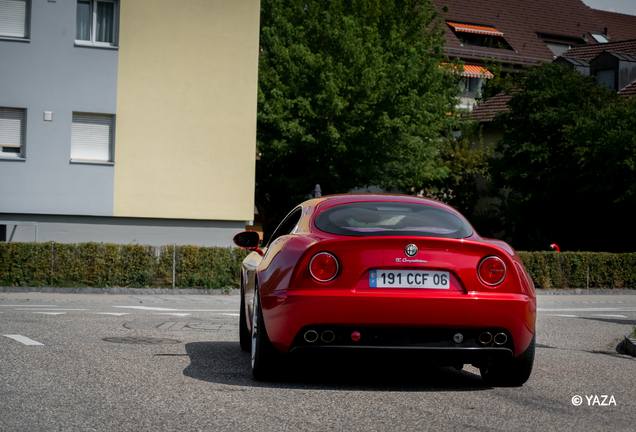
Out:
{"x": 485, "y": 338}
{"x": 311, "y": 336}
{"x": 327, "y": 336}
{"x": 500, "y": 338}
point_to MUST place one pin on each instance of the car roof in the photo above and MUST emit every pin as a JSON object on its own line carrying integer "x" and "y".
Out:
{"x": 328, "y": 201}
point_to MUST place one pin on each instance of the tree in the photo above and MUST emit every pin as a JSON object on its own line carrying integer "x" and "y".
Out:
{"x": 465, "y": 161}
{"x": 566, "y": 163}
{"x": 352, "y": 93}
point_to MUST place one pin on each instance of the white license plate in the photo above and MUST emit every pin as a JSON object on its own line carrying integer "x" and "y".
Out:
{"x": 429, "y": 279}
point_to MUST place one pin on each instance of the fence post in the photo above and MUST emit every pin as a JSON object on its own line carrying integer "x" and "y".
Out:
{"x": 52, "y": 263}
{"x": 174, "y": 259}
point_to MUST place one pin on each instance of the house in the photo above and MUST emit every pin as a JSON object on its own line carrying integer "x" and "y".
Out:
{"x": 127, "y": 121}
{"x": 612, "y": 63}
{"x": 518, "y": 33}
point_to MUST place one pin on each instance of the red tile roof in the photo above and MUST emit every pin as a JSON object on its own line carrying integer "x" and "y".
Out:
{"x": 486, "y": 111}
{"x": 619, "y": 26}
{"x": 520, "y": 20}
{"x": 591, "y": 51}
{"x": 629, "y": 91}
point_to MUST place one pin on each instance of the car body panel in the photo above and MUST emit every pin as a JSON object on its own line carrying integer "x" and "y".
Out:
{"x": 292, "y": 300}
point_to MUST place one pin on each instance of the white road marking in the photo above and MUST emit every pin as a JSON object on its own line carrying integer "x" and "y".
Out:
{"x": 175, "y": 314}
{"x": 174, "y": 310}
{"x": 569, "y": 316}
{"x": 28, "y": 305}
{"x": 230, "y": 314}
{"x": 611, "y": 316}
{"x": 50, "y": 309}
{"x": 50, "y": 313}
{"x": 110, "y": 313}
{"x": 23, "y": 339}
{"x": 587, "y": 310}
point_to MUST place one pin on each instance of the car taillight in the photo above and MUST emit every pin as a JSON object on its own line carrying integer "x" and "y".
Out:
{"x": 492, "y": 270}
{"x": 324, "y": 267}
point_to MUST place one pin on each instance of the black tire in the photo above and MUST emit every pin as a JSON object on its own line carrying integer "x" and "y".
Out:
{"x": 245, "y": 337}
{"x": 265, "y": 357}
{"x": 510, "y": 373}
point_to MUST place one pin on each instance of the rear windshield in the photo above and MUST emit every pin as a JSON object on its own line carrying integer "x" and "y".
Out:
{"x": 380, "y": 219}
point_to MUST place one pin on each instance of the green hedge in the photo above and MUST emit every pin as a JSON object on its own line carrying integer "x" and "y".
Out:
{"x": 551, "y": 270}
{"x": 112, "y": 265}
{"x": 136, "y": 266}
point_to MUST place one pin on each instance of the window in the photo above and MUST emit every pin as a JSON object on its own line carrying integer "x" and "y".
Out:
{"x": 606, "y": 78}
{"x": 287, "y": 225}
{"x": 557, "y": 48}
{"x": 92, "y": 137}
{"x": 13, "y": 18}
{"x": 599, "y": 38}
{"x": 12, "y": 132}
{"x": 479, "y": 35}
{"x": 472, "y": 86}
{"x": 380, "y": 219}
{"x": 96, "y": 23}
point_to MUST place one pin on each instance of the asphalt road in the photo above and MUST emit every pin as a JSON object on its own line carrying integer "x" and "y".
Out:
{"x": 76, "y": 380}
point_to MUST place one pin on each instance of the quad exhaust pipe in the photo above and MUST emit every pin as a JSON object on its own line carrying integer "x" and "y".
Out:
{"x": 327, "y": 336}
{"x": 486, "y": 338}
{"x": 311, "y": 336}
{"x": 500, "y": 338}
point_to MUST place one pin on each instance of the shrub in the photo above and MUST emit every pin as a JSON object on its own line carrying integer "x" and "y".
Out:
{"x": 571, "y": 269}
{"x": 111, "y": 265}
{"x": 136, "y": 266}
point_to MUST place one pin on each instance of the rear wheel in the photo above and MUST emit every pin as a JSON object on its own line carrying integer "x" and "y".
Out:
{"x": 513, "y": 372}
{"x": 264, "y": 355}
{"x": 245, "y": 337}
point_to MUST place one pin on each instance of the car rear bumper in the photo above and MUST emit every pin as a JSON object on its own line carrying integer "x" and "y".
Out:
{"x": 288, "y": 312}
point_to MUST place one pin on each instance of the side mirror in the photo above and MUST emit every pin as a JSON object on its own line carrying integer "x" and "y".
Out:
{"x": 248, "y": 240}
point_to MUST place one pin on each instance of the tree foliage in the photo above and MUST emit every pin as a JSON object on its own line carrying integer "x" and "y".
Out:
{"x": 567, "y": 163}
{"x": 352, "y": 93}
{"x": 466, "y": 161}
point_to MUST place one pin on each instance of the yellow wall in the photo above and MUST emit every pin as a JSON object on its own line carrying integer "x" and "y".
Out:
{"x": 186, "y": 109}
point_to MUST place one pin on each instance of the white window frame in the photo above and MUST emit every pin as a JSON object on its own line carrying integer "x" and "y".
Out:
{"x": 111, "y": 140}
{"x": 21, "y": 146}
{"x": 93, "y": 29}
{"x": 27, "y": 24}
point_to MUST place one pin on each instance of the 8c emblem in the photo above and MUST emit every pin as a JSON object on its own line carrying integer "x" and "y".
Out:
{"x": 410, "y": 250}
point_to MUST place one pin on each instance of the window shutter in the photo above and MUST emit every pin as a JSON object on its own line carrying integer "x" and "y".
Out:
{"x": 606, "y": 78}
{"x": 13, "y": 14}
{"x": 11, "y": 127}
{"x": 91, "y": 136}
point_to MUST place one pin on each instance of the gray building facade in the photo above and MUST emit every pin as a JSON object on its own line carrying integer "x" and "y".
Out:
{"x": 51, "y": 79}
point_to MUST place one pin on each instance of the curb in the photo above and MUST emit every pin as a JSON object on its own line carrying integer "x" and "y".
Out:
{"x": 195, "y": 291}
{"x": 137, "y": 291}
{"x": 583, "y": 291}
{"x": 629, "y": 346}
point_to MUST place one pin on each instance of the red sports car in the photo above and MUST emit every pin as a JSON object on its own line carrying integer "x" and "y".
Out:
{"x": 382, "y": 272}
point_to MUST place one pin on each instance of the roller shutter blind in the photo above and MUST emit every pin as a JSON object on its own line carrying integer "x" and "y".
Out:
{"x": 11, "y": 131}
{"x": 13, "y": 18}
{"x": 606, "y": 78}
{"x": 91, "y": 137}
